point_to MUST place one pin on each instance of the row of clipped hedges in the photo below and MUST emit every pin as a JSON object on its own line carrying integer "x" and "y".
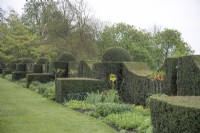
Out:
{"x": 175, "y": 114}
{"x": 40, "y": 77}
{"x": 69, "y": 88}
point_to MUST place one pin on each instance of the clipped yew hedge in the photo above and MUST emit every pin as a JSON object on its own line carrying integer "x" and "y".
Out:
{"x": 188, "y": 75}
{"x": 70, "y": 88}
{"x": 85, "y": 69}
{"x": 40, "y": 77}
{"x": 136, "y": 84}
{"x": 179, "y": 114}
{"x": 37, "y": 68}
{"x": 169, "y": 85}
{"x": 17, "y": 75}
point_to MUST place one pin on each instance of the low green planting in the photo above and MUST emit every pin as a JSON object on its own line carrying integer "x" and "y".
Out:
{"x": 8, "y": 77}
{"x": 107, "y": 107}
{"x": 45, "y": 89}
{"x": 126, "y": 120}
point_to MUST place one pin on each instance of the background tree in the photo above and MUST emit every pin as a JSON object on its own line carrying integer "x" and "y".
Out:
{"x": 15, "y": 40}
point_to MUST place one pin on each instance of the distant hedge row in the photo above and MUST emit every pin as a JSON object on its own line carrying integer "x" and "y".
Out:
{"x": 175, "y": 114}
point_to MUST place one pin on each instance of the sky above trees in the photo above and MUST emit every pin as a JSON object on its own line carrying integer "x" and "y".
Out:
{"x": 182, "y": 15}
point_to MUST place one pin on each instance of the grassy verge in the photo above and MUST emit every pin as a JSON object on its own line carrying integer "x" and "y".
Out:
{"x": 22, "y": 111}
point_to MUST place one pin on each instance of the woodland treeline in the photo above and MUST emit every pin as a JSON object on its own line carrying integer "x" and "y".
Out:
{"x": 46, "y": 29}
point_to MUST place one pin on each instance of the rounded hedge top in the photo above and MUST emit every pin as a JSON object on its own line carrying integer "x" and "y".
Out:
{"x": 42, "y": 61}
{"x": 116, "y": 54}
{"x": 66, "y": 57}
{"x": 19, "y": 60}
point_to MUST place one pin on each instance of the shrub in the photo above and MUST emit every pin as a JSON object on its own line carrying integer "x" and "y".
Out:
{"x": 8, "y": 77}
{"x": 104, "y": 109}
{"x": 111, "y": 96}
{"x": 27, "y": 60}
{"x": 66, "y": 88}
{"x": 175, "y": 114}
{"x": 116, "y": 54}
{"x": 41, "y": 77}
{"x": 67, "y": 56}
{"x": 146, "y": 126}
{"x": 17, "y": 75}
{"x": 126, "y": 120}
{"x": 42, "y": 61}
{"x": 93, "y": 98}
{"x": 74, "y": 104}
{"x": 188, "y": 79}
{"x": 45, "y": 89}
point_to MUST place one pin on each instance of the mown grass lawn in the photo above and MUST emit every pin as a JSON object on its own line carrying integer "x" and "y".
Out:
{"x": 23, "y": 111}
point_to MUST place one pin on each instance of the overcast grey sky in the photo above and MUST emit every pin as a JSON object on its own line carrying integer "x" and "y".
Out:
{"x": 182, "y": 15}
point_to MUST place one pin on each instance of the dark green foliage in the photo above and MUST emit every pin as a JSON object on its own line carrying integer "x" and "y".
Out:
{"x": 37, "y": 68}
{"x": 66, "y": 57}
{"x": 188, "y": 75}
{"x": 86, "y": 69}
{"x": 27, "y": 60}
{"x": 20, "y": 67}
{"x": 68, "y": 88}
{"x": 42, "y": 61}
{"x": 17, "y": 75}
{"x": 5, "y": 72}
{"x": 60, "y": 69}
{"x": 169, "y": 86}
{"x": 175, "y": 114}
{"x": 116, "y": 54}
{"x": 73, "y": 68}
{"x": 40, "y": 77}
{"x": 136, "y": 84}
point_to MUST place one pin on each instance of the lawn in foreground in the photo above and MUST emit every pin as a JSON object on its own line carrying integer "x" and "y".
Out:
{"x": 23, "y": 111}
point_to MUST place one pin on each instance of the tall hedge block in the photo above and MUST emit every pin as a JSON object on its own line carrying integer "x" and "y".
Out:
{"x": 66, "y": 88}
{"x": 169, "y": 85}
{"x": 73, "y": 68}
{"x": 17, "y": 75}
{"x": 188, "y": 75}
{"x": 175, "y": 114}
{"x": 20, "y": 67}
{"x": 37, "y": 68}
{"x": 59, "y": 68}
{"x": 40, "y": 77}
{"x": 135, "y": 84}
{"x": 86, "y": 69}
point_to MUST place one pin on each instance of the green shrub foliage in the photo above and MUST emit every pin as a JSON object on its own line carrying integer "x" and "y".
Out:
{"x": 42, "y": 61}
{"x": 175, "y": 114}
{"x": 67, "y": 56}
{"x": 169, "y": 86}
{"x": 21, "y": 67}
{"x": 40, "y": 77}
{"x": 70, "y": 88}
{"x": 116, "y": 54}
{"x": 27, "y": 60}
{"x": 17, "y": 75}
{"x": 136, "y": 84}
{"x": 37, "y": 68}
{"x": 188, "y": 75}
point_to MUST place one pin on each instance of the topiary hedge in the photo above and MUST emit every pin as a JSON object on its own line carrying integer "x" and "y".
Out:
{"x": 136, "y": 84}
{"x": 5, "y": 72}
{"x": 116, "y": 54}
{"x": 40, "y": 77}
{"x": 86, "y": 69}
{"x": 188, "y": 75}
{"x": 67, "y": 56}
{"x": 175, "y": 114}
{"x": 169, "y": 85}
{"x": 17, "y": 75}
{"x": 20, "y": 67}
{"x": 42, "y": 61}
{"x": 70, "y": 88}
{"x": 37, "y": 68}
{"x": 59, "y": 69}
